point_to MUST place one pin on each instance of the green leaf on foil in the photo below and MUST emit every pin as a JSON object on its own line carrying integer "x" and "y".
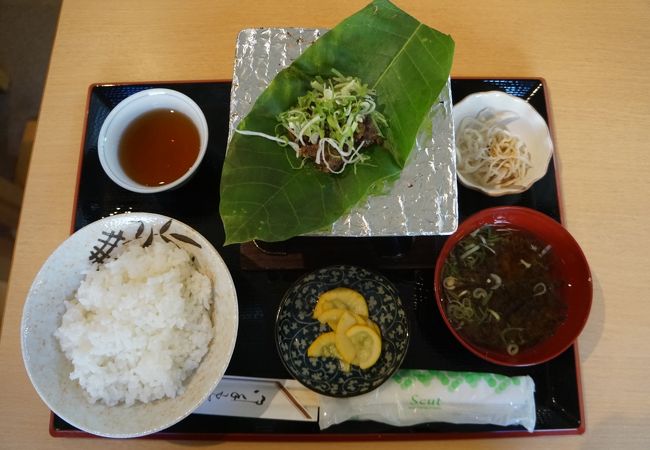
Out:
{"x": 406, "y": 62}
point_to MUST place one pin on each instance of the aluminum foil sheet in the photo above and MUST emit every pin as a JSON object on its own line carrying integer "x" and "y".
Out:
{"x": 424, "y": 201}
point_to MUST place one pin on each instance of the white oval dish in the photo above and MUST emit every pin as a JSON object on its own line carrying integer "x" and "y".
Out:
{"x": 129, "y": 109}
{"x": 530, "y": 127}
{"x": 49, "y": 369}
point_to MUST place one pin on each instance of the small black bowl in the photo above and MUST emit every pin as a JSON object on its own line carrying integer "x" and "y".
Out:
{"x": 296, "y": 329}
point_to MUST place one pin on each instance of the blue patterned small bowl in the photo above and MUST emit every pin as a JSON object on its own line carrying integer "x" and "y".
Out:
{"x": 295, "y": 330}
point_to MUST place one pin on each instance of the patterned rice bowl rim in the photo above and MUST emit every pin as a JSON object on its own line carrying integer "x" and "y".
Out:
{"x": 109, "y": 241}
{"x": 296, "y": 330}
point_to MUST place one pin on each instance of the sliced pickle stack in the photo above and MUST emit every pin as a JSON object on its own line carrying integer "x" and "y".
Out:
{"x": 355, "y": 339}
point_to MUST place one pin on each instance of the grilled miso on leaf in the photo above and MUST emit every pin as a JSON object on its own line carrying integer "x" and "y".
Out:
{"x": 331, "y": 124}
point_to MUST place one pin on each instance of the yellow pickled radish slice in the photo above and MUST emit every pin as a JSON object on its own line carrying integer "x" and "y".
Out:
{"x": 345, "y": 322}
{"x": 331, "y": 317}
{"x": 355, "y": 339}
{"x": 361, "y": 320}
{"x": 374, "y": 326}
{"x": 366, "y": 343}
{"x": 324, "y": 345}
{"x": 320, "y": 308}
{"x": 341, "y": 298}
{"x": 366, "y": 321}
{"x": 344, "y": 345}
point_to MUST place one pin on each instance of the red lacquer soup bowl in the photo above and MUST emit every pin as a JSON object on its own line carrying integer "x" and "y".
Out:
{"x": 466, "y": 308}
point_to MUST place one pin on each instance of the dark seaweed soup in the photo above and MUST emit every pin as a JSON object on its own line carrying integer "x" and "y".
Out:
{"x": 500, "y": 291}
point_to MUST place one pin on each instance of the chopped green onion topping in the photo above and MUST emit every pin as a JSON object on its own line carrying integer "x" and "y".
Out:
{"x": 329, "y": 122}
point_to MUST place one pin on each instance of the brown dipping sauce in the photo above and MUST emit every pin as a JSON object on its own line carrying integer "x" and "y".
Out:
{"x": 159, "y": 147}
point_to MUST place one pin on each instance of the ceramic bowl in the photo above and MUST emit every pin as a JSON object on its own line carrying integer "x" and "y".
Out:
{"x": 130, "y": 109}
{"x": 570, "y": 270}
{"x": 296, "y": 329}
{"x": 49, "y": 369}
{"x": 529, "y": 126}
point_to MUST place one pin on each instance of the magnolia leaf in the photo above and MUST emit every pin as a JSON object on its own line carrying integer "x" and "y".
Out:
{"x": 264, "y": 195}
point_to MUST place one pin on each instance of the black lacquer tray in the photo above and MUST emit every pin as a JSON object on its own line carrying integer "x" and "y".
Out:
{"x": 262, "y": 272}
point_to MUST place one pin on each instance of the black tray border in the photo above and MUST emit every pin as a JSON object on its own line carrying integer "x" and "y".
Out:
{"x": 56, "y": 431}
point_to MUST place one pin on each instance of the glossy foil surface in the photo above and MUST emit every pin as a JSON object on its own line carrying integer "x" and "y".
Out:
{"x": 424, "y": 201}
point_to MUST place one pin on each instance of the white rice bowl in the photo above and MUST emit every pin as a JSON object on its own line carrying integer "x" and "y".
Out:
{"x": 186, "y": 349}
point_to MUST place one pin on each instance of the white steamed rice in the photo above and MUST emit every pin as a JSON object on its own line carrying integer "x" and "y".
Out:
{"x": 138, "y": 326}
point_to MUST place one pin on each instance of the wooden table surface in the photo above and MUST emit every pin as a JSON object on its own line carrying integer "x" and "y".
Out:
{"x": 595, "y": 57}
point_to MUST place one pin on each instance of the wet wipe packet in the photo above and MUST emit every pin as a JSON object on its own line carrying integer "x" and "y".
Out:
{"x": 412, "y": 397}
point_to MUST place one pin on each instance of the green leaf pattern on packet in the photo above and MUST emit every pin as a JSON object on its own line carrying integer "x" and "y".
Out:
{"x": 453, "y": 380}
